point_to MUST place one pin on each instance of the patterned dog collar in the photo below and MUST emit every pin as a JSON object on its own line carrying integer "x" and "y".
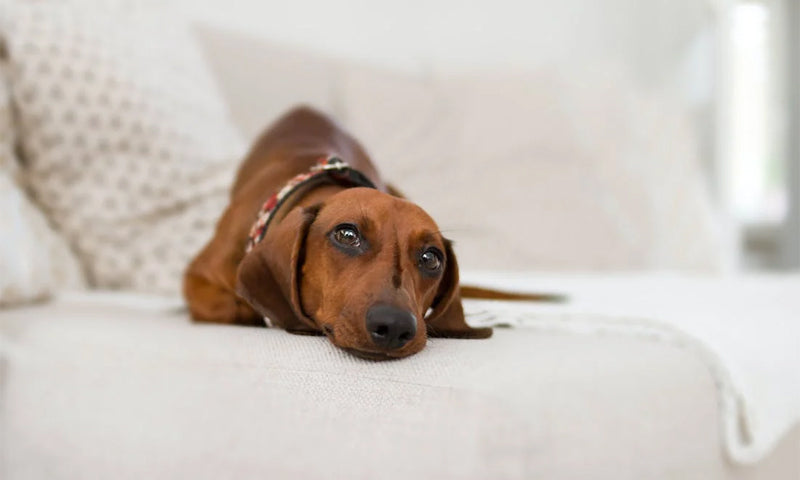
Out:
{"x": 329, "y": 169}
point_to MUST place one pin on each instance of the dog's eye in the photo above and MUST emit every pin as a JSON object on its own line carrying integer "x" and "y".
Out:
{"x": 347, "y": 235}
{"x": 431, "y": 260}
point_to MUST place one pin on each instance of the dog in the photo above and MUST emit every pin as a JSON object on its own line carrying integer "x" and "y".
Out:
{"x": 315, "y": 242}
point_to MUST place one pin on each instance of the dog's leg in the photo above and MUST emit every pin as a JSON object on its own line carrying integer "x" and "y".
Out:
{"x": 213, "y": 302}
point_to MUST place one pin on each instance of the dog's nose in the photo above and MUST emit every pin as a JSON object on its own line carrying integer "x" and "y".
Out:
{"x": 390, "y": 327}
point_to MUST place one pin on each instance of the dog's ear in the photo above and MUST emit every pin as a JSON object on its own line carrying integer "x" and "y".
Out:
{"x": 447, "y": 317}
{"x": 269, "y": 275}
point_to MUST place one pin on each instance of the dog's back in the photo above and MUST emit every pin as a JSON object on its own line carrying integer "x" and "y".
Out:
{"x": 294, "y": 142}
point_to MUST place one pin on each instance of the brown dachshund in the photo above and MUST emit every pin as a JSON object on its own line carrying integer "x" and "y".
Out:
{"x": 361, "y": 265}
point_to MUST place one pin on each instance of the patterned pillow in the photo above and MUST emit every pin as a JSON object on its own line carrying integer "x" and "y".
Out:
{"x": 34, "y": 260}
{"x": 127, "y": 144}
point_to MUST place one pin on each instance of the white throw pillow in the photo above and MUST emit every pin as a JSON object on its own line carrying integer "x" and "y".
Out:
{"x": 127, "y": 144}
{"x": 34, "y": 260}
{"x": 534, "y": 171}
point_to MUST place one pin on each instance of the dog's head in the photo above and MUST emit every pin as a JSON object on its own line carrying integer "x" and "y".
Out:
{"x": 369, "y": 270}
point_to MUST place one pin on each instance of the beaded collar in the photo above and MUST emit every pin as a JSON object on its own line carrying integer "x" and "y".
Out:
{"x": 330, "y": 169}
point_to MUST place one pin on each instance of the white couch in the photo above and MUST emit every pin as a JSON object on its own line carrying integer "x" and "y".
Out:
{"x": 104, "y": 385}
{"x": 116, "y": 385}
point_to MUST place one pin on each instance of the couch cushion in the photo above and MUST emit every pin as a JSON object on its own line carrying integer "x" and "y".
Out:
{"x": 550, "y": 169}
{"x": 204, "y": 401}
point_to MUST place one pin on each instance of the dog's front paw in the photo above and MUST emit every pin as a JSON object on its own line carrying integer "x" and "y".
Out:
{"x": 214, "y": 304}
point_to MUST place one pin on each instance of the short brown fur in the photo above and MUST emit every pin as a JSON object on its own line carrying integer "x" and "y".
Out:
{"x": 295, "y": 277}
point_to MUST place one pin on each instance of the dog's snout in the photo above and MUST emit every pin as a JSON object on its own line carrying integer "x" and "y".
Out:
{"x": 390, "y": 327}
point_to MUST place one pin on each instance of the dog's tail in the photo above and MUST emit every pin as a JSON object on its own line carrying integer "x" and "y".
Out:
{"x": 480, "y": 293}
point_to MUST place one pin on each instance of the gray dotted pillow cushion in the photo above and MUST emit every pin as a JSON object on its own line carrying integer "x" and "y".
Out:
{"x": 35, "y": 261}
{"x": 127, "y": 143}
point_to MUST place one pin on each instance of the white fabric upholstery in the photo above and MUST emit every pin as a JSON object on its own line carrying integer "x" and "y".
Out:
{"x": 744, "y": 327}
{"x": 115, "y": 387}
